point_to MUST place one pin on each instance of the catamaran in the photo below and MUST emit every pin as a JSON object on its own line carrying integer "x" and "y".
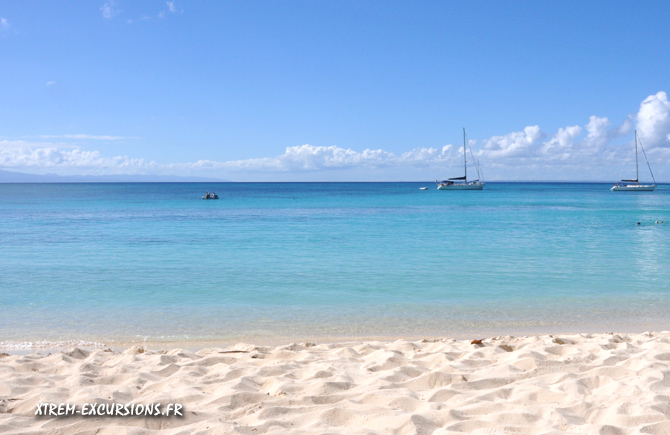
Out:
{"x": 634, "y": 185}
{"x": 462, "y": 183}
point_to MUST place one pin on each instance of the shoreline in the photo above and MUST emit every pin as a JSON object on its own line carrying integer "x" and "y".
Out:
{"x": 613, "y": 383}
{"x": 28, "y": 346}
{"x": 42, "y": 346}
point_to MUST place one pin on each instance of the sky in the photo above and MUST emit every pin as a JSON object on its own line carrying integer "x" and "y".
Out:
{"x": 335, "y": 90}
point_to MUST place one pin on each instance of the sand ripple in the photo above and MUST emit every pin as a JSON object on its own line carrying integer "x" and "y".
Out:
{"x": 568, "y": 384}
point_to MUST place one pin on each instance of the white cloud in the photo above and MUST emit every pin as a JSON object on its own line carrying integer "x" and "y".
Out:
{"x": 51, "y": 83}
{"x": 51, "y": 157}
{"x": 109, "y": 10}
{"x": 314, "y": 158}
{"x": 517, "y": 144}
{"x": 598, "y": 135}
{"x": 311, "y": 158}
{"x": 561, "y": 145}
{"x": 4, "y": 24}
{"x": 653, "y": 121}
{"x": 596, "y": 150}
{"x": 22, "y": 154}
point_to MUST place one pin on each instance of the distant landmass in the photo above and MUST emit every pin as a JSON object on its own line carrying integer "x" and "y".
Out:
{"x": 20, "y": 177}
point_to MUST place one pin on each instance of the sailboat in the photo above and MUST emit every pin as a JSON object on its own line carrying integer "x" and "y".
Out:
{"x": 634, "y": 185}
{"x": 462, "y": 183}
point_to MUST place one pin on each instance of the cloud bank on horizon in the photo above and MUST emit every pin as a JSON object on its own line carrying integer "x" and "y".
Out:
{"x": 595, "y": 151}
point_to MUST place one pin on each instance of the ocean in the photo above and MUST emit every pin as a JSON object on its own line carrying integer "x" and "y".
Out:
{"x": 119, "y": 263}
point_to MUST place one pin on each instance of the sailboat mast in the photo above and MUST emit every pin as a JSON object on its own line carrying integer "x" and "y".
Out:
{"x": 465, "y": 162}
{"x": 637, "y": 170}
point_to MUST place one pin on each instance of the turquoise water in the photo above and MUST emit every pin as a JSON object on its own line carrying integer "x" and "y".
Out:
{"x": 118, "y": 263}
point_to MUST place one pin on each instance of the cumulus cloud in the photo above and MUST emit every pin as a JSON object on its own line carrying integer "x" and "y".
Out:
{"x": 312, "y": 158}
{"x": 22, "y": 154}
{"x": 653, "y": 121}
{"x": 598, "y": 135}
{"x": 592, "y": 149}
{"x": 517, "y": 144}
{"x": 561, "y": 145}
{"x": 52, "y": 157}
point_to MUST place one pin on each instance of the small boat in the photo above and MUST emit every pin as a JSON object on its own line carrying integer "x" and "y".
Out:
{"x": 423, "y": 188}
{"x": 634, "y": 185}
{"x": 462, "y": 183}
{"x": 215, "y": 196}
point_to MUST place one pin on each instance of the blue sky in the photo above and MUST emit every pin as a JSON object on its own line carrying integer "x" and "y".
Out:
{"x": 334, "y": 90}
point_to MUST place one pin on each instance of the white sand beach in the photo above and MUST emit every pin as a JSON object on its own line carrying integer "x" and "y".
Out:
{"x": 610, "y": 383}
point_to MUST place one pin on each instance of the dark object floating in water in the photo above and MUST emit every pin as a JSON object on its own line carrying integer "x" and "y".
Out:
{"x": 212, "y": 196}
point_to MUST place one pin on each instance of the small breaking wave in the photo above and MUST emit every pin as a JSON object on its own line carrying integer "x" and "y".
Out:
{"x": 47, "y": 344}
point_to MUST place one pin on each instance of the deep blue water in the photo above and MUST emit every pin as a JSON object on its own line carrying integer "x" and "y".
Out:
{"x": 126, "y": 262}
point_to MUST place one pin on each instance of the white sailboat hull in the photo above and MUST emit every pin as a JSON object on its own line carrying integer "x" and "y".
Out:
{"x": 634, "y": 188}
{"x": 633, "y": 185}
{"x": 462, "y": 183}
{"x": 460, "y": 186}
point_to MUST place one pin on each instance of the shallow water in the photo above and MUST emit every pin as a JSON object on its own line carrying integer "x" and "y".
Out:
{"x": 121, "y": 262}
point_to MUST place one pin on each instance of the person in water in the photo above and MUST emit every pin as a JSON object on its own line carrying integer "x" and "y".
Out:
{"x": 207, "y": 196}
